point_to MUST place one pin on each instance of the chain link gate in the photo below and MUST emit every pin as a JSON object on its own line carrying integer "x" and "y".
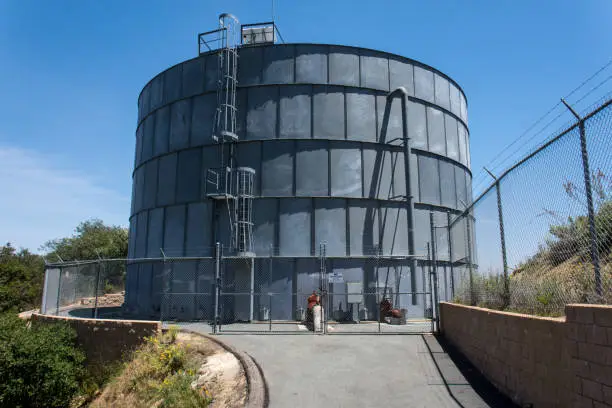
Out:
{"x": 375, "y": 294}
{"x": 258, "y": 295}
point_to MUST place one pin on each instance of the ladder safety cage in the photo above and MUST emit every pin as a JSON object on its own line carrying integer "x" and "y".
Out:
{"x": 244, "y": 210}
{"x": 224, "y": 125}
{"x": 235, "y": 186}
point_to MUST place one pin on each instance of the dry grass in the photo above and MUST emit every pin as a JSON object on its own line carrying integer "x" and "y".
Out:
{"x": 160, "y": 374}
{"x": 541, "y": 289}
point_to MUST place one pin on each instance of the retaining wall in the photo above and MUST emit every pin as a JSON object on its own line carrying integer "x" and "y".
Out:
{"x": 105, "y": 340}
{"x": 547, "y": 362}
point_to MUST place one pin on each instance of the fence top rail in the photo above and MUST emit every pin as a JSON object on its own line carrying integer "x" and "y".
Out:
{"x": 129, "y": 260}
{"x": 65, "y": 264}
{"x": 372, "y": 256}
{"x": 529, "y": 156}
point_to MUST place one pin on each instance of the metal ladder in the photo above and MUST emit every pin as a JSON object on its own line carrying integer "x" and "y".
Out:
{"x": 229, "y": 183}
{"x": 224, "y": 125}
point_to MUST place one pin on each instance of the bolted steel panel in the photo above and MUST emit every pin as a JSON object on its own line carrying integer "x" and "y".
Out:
{"x": 310, "y": 64}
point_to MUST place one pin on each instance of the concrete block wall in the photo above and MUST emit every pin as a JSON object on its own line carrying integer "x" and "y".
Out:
{"x": 547, "y": 362}
{"x": 105, "y": 340}
{"x": 589, "y": 334}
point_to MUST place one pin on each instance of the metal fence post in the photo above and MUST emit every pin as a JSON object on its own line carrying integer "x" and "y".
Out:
{"x": 270, "y": 274}
{"x": 270, "y": 312}
{"x": 251, "y": 262}
{"x": 434, "y": 269}
{"x": 450, "y": 255}
{"x": 43, "y": 304}
{"x": 217, "y": 286}
{"x": 378, "y": 299}
{"x": 500, "y": 215}
{"x": 589, "y": 195}
{"x": 506, "y": 300}
{"x": 94, "y": 312}
{"x": 59, "y": 291}
{"x": 76, "y": 283}
{"x": 324, "y": 285}
{"x": 430, "y": 292}
{"x": 470, "y": 259}
{"x": 164, "y": 302}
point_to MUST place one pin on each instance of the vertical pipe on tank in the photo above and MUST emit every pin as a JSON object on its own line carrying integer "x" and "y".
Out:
{"x": 401, "y": 91}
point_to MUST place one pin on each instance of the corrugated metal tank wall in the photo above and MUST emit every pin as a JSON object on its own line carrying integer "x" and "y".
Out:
{"x": 310, "y": 120}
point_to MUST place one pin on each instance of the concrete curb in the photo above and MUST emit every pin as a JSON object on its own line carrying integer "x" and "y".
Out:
{"x": 257, "y": 394}
{"x": 26, "y": 315}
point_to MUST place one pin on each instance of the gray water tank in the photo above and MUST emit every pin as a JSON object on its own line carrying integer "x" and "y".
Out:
{"x": 309, "y": 123}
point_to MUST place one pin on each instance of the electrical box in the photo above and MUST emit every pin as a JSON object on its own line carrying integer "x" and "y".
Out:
{"x": 258, "y": 35}
{"x": 354, "y": 291}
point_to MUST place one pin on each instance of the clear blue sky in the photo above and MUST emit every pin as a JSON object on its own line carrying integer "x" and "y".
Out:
{"x": 71, "y": 71}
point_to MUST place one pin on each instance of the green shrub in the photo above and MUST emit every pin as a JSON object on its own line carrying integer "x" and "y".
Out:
{"x": 176, "y": 391}
{"x": 39, "y": 364}
{"x": 108, "y": 287}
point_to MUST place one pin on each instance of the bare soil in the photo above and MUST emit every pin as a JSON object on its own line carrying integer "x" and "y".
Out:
{"x": 220, "y": 374}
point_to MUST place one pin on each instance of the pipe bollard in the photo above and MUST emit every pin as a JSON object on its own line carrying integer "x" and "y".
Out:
{"x": 317, "y": 312}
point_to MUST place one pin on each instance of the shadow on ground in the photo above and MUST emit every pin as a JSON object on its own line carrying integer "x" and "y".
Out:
{"x": 465, "y": 384}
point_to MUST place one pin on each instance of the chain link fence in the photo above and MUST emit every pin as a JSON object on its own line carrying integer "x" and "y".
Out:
{"x": 93, "y": 289}
{"x": 543, "y": 229}
{"x": 373, "y": 293}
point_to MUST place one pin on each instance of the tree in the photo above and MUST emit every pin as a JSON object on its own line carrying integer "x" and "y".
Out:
{"x": 39, "y": 364}
{"x": 21, "y": 279}
{"x": 91, "y": 239}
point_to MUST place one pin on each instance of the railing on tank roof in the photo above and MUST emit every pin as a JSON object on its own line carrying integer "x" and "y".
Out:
{"x": 250, "y": 34}
{"x": 260, "y": 33}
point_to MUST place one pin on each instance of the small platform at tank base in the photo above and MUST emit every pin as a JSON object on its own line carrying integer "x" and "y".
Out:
{"x": 220, "y": 196}
{"x": 245, "y": 254}
{"x": 226, "y": 137}
{"x": 331, "y": 327}
{"x": 395, "y": 320}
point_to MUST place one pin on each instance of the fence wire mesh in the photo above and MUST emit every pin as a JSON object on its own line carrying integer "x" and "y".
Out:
{"x": 186, "y": 289}
{"x": 368, "y": 294}
{"x": 543, "y": 230}
{"x": 90, "y": 289}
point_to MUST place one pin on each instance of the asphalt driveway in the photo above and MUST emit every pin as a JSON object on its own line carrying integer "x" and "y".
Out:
{"x": 361, "y": 371}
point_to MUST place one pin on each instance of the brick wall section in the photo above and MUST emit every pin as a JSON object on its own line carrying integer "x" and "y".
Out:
{"x": 589, "y": 332}
{"x": 105, "y": 340}
{"x": 547, "y": 362}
